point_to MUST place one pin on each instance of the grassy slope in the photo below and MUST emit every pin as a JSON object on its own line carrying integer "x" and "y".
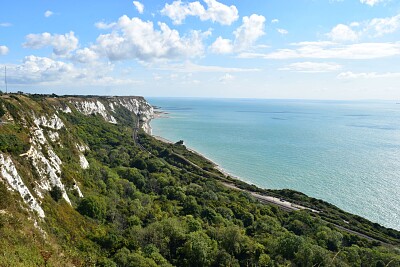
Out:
{"x": 159, "y": 210}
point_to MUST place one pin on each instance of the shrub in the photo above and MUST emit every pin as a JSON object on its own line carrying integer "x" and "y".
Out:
{"x": 56, "y": 193}
{"x": 93, "y": 207}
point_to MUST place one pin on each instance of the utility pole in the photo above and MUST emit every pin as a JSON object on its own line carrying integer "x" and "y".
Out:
{"x": 5, "y": 78}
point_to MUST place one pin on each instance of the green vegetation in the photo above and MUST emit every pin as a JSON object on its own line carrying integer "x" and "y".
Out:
{"x": 56, "y": 193}
{"x": 166, "y": 206}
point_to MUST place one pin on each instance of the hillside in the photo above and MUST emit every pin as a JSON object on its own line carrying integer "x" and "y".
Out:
{"x": 82, "y": 183}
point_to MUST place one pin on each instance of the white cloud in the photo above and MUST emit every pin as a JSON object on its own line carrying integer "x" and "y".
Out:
{"x": 137, "y": 39}
{"x": 46, "y": 71}
{"x": 5, "y": 24}
{"x": 222, "y": 46}
{"x": 39, "y": 69}
{"x": 62, "y": 44}
{"x": 312, "y": 67}
{"x": 381, "y": 26}
{"x": 190, "y": 67}
{"x": 251, "y": 29}
{"x": 341, "y": 33}
{"x": 246, "y": 35}
{"x": 326, "y": 50}
{"x": 139, "y": 6}
{"x": 371, "y": 2}
{"x": 315, "y": 43}
{"x": 85, "y": 55}
{"x": 367, "y": 75}
{"x": 371, "y": 28}
{"x": 104, "y": 26}
{"x": 275, "y": 21}
{"x": 3, "y": 50}
{"x": 216, "y": 11}
{"x": 48, "y": 13}
{"x": 282, "y": 31}
{"x": 226, "y": 78}
{"x": 355, "y": 24}
{"x": 157, "y": 77}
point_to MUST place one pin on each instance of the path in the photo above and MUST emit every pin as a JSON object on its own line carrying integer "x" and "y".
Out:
{"x": 283, "y": 204}
{"x": 273, "y": 200}
{"x": 288, "y": 206}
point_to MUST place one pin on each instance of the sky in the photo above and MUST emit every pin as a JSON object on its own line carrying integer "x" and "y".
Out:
{"x": 297, "y": 49}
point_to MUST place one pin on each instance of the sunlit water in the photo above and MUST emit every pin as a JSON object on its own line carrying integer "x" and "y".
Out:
{"x": 347, "y": 153}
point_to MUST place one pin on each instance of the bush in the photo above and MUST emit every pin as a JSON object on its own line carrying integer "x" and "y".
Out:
{"x": 139, "y": 163}
{"x": 199, "y": 250}
{"x": 11, "y": 143}
{"x": 2, "y": 111}
{"x": 56, "y": 193}
{"x": 93, "y": 207}
{"x": 104, "y": 262}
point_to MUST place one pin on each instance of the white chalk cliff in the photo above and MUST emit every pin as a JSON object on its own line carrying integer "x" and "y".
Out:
{"x": 47, "y": 130}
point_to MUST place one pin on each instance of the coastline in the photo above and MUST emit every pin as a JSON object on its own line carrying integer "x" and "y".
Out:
{"x": 283, "y": 203}
{"x": 286, "y": 203}
{"x": 216, "y": 165}
{"x": 180, "y": 118}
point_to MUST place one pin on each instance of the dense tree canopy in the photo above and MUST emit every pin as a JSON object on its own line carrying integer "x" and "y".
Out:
{"x": 166, "y": 206}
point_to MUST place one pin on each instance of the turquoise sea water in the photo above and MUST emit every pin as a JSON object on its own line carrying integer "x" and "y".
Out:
{"x": 347, "y": 153}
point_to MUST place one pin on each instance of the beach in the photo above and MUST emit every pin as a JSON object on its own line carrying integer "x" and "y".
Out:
{"x": 216, "y": 165}
{"x": 343, "y": 152}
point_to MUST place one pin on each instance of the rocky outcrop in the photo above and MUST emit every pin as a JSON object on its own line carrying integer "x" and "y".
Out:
{"x": 14, "y": 182}
{"x": 47, "y": 130}
{"x": 89, "y": 107}
{"x": 53, "y": 122}
{"x": 140, "y": 107}
{"x": 107, "y": 108}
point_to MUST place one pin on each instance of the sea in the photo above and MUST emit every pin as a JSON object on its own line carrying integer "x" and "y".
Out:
{"x": 344, "y": 152}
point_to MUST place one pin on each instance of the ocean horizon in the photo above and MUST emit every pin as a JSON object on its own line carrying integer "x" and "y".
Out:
{"x": 344, "y": 152}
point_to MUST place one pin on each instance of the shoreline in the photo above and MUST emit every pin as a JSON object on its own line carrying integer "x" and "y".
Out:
{"x": 286, "y": 205}
{"x": 226, "y": 173}
{"x": 216, "y": 165}
{"x": 282, "y": 202}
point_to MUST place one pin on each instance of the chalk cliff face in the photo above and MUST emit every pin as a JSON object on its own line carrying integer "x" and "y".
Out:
{"x": 37, "y": 142}
{"x": 107, "y": 107}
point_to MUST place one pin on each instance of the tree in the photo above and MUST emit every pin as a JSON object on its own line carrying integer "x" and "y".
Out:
{"x": 56, "y": 193}
{"x": 329, "y": 239}
{"x": 305, "y": 255}
{"x": 153, "y": 165}
{"x": 225, "y": 259}
{"x": 93, "y": 207}
{"x": 133, "y": 175}
{"x": 289, "y": 245}
{"x": 351, "y": 255}
{"x": 264, "y": 260}
{"x": 139, "y": 163}
{"x": 209, "y": 214}
{"x": 247, "y": 219}
{"x": 231, "y": 239}
{"x": 125, "y": 258}
{"x": 104, "y": 262}
{"x": 191, "y": 207}
{"x": 199, "y": 250}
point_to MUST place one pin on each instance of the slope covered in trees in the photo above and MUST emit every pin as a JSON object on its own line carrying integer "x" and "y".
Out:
{"x": 148, "y": 206}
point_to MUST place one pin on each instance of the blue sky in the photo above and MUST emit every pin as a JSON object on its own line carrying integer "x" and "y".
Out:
{"x": 312, "y": 49}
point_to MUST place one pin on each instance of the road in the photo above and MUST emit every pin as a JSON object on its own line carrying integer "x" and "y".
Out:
{"x": 288, "y": 206}
{"x": 273, "y": 200}
{"x": 283, "y": 204}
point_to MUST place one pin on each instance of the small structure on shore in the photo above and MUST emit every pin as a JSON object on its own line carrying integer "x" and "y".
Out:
{"x": 180, "y": 142}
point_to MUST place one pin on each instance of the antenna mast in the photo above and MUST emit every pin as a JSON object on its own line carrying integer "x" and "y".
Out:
{"x": 5, "y": 77}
